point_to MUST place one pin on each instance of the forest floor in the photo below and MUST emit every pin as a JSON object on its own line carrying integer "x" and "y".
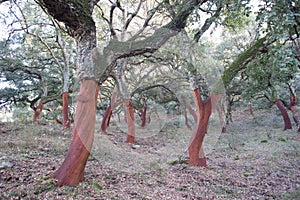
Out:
{"x": 255, "y": 159}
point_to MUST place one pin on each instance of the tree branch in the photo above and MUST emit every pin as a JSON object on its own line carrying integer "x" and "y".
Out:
{"x": 132, "y": 15}
{"x": 208, "y": 23}
{"x": 2, "y": 1}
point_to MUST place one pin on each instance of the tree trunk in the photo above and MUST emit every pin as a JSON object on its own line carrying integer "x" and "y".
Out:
{"x": 293, "y": 109}
{"x": 251, "y": 109}
{"x": 66, "y": 81}
{"x": 196, "y": 153}
{"x": 204, "y": 110}
{"x": 191, "y": 111}
{"x": 71, "y": 172}
{"x": 108, "y": 112}
{"x": 221, "y": 119}
{"x": 119, "y": 119}
{"x": 129, "y": 113}
{"x": 286, "y": 118}
{"x": 66, "y": 120}
{"x": 106, "y": 119}
{"x": 295, "y": 117}
{"x": 228, "y": 112}
{"x": 143, "y": 116}
{"x": 37, "y": 112}
{"x": 127, "y": 102}
{"x": 187, "y": 120}
{"x": 97, "y": 94}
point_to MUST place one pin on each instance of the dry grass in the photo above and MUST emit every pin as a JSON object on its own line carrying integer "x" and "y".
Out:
{"x": 255, "y": 159}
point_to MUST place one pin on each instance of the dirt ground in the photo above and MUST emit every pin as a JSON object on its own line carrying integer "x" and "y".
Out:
{"x": 255, "y": 159}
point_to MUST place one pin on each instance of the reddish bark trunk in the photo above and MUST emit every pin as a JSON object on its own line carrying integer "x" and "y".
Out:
{"x": 293, "y": 109}
{"x": 108, "y": 113}
{"x": 286, "y": 118}
{"x": 196, "y": 154}
{"x": 251, "y": 109}
{"x": 221, "y": 119}
{"x": 129, "y": 113}
{"x": 191, "y": 111}
{"x": 223, "y": 129}
{"x": 37, "y": 112}
{"x": 292, "y": 100}
{"x": 66, "y": 120}
{"x": 58, "y": 121}
{"x": 71, "y": 172}
{"x": 296, "y": 119}
{"x": 105, "y": 120}
{"x": 149, "y": 117}
{"x": 109, "y": 119}
{"x": 187, "y": 121}
{"x": 143, "y": 116}
{"x": 204, "y": 110}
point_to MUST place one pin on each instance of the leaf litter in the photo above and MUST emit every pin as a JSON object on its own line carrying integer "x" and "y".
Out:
{"x": 240, "y": 166}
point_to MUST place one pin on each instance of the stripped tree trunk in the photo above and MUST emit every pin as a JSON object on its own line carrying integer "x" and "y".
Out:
{"x": 251, "y": 109}
{"x": 221, "y": 119}
{"x": 187, "y": 120}
{"x": 65, "y": 115}
{"x": 38, "y": 109}
{"x": 191, "y": 111}
{"x": 37, "y": 112}
{"x": 293, "y": 109}
{"x": 295, "y": 117}
{"x": 108, "y": 112}
{"x": 106, "y": 119}
{"x": 204, "y": 110}
{"x": 196, "y": 153}
{"x": 127, "y": 102}
{"x": 66, "y": 81}
{"x": 143, "y": 116}
{"x": 285, "y": 116}
{"x": 71, "y": 172}
{"x": 223, "y": 129}
{"x": 129, "y": 112}
{"x": 149, "y": 118}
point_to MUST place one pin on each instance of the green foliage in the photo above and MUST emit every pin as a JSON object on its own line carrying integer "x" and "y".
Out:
{"x": 269, "y": 73}
{"x": 32, "y": 60}
{"x": 236, "y": 15}
{"x": 281, "y": 17}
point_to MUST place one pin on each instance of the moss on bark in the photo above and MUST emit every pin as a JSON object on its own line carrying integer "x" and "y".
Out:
{"x": 241, "y": 61}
